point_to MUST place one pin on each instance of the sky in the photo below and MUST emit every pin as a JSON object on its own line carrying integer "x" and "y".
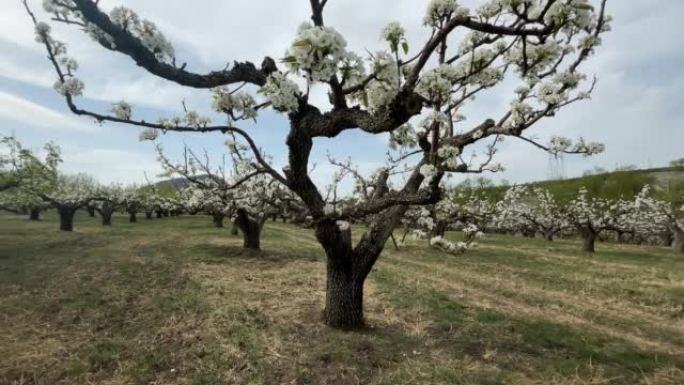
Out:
{"x": 636, "y": 110}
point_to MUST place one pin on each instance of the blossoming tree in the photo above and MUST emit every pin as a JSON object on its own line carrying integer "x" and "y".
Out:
{"x": 244, "y": 192}
{"x": 106, "y": 200}
{"x": 531, "y": 209}
{"x": 657, "y": 216}
{"x": 538, "y": 43}
{"x": 17, "y": 164}
{"x": 591, "y": 216}
{"x": 40, "y": 178}
{"x": 132, "y": 201}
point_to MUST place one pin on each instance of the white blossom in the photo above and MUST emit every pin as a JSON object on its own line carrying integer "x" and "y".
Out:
{"x": 384, "y": 88}
{"x": 393, "y": 33}
{"x": 316, "y": 52}
{"x": 281, "y": 92}
{"x": 439, "y": 11}
{"x": 72, "y": 86}
{"x": 122, "y": 110}
{"x": 148, "y": 134}
{"x": 240, "y": 105}
{"x": 427, "y": 170}
{"x": 42, "y": 32}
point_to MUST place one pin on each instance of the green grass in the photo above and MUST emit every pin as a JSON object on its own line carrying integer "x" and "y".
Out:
{"x": 176, "y": 301}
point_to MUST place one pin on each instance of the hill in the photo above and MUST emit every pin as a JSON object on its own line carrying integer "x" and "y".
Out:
{"x": 668, "y": 183}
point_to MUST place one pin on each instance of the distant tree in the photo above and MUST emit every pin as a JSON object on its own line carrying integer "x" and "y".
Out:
{"x": 242, "y": 192}
{"x": 591, "y": 216}
{"x": 41, "y": 179}
{"x": 106, "y": 200}
{"x": 656, "y": 215}
{"x": 132, "y": 201}
{"x": 677, "y": 162}
{"x": 527, "y": 209}
{"x": 538, "y": 43}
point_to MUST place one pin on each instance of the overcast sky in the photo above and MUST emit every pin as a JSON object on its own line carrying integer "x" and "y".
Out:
{"x": 637, "y": 109}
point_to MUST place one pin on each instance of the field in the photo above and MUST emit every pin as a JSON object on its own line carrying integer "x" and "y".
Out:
{"x": 175, "y": 301}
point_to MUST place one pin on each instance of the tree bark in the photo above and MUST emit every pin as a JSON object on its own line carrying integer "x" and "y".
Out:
{"x": 34, "y": 214}
{"x": 159, "y": 214}
{"x": 343, "y": 296}
{"x": 106, "y": 218}
{"x": 588, "y": 240}
{"x": 66, "y": 218}
{"x": 250, "y": 228}
{"x": 132, "y": 217}
{"x": 344, "y": 278}
{"x": 91, "y": 211}
{"x": 148, "y": 214}
{"x": 217, "y": 219}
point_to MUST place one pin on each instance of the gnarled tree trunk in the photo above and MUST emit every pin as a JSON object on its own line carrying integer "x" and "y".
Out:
{"x": 66, "y": 217}
{"x": 132, "y": 217}
{"x": 344, "y": 278}
{"x": 91, "y": 211}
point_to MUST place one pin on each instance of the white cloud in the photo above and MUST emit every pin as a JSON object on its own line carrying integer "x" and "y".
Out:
{"x": 110, "y": 165}
{"x": 20, "y": 110}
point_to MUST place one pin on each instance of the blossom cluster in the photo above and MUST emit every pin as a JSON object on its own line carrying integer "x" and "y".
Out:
{"x": 281, "y": 92}
{"x": 238, "y": 105}
{"x": 316, "y": 52}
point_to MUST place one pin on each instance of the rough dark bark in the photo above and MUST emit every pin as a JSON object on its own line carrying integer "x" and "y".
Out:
{"x": 34, "y": 214}
{"x": 66, "y": 217}
{"x": 91, "y": 211}
{"x": 344, "y": 296}
{"x": 217, "y": 219}
{"x": 344, "y": 278}
{"x": 132, "y": 217}
{"x": 159, "y": 214}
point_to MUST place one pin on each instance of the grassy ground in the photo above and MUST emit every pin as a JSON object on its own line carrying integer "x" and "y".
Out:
{"x": 174, "y": 301}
